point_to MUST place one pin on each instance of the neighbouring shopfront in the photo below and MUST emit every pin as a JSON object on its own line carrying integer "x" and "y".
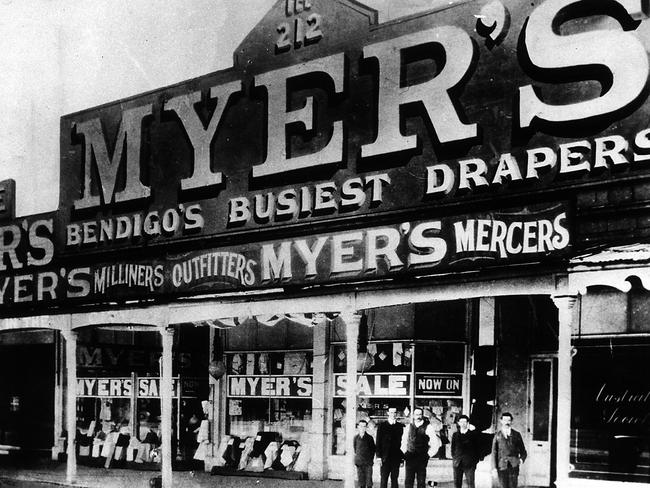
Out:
{"x": 447, "y": 211}
{"x": 118, "y": 395}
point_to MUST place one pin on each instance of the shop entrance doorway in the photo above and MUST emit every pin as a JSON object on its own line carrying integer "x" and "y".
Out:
{"x": 26, "y": 397}
{"x": 542, "y": 409}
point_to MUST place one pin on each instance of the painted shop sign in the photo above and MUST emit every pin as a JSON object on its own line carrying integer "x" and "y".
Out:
{"x": 344, "y": 151}
{"x": 416, "y": 115}
{"x": 110, "y": 357}
{"x": 515, "y": 235}
{"x": 123, "y": 387}
{"x": 376, "y": 385}
{"x": 7, "y": 200}
{"x": 434, "y": 384}
{"x": 270, "y": 386}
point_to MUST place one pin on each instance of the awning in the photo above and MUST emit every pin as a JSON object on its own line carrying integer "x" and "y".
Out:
{"x": 613, "y": 266}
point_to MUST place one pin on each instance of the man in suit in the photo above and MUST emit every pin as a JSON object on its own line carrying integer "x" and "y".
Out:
{"x": 364, "y": 454}
{"x": 508, "y": 452}
{"x": 389, "y": 439}
{"x": 419, "y": 443}
{"x": 464, "y": 452}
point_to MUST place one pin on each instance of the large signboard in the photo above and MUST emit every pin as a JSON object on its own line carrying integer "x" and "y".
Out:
{"x": 408, "y": 248}
{"x": 457, "y": 139}
{"x": 338, "y": 120}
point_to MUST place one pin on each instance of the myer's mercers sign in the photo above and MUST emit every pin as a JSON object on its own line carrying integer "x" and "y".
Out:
{"x": 345, "y": 150}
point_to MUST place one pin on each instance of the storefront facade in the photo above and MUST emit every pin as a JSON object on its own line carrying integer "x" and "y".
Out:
{"x": 448, "y": 211}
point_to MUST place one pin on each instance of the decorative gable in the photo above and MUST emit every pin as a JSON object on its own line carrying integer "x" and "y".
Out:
{"x": 297, "y": 30}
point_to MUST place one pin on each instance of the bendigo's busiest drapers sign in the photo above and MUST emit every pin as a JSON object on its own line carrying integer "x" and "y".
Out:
{"x": 346, "y": 150}
{"x": 337, "y": 119}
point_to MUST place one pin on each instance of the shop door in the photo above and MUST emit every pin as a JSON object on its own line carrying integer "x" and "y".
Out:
{"x": 541, "y": 422}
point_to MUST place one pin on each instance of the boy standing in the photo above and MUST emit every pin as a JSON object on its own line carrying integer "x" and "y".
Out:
{"x": 364, "y": 454}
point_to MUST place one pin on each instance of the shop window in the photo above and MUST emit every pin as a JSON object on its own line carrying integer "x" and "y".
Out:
{"x": 114, "y": 353}
{"x": 270, "y": 363}
{"x": 439, "y": 381}
{"x": 603, "y": 311}
{"x": 269, "y": 391}
{"x": 610, "y": 423}
{"x": 440, "y": 358}
{"x": 383, "y": 357}
{"x": 289, "y": 417}
{"x": 442, "y": 414}
{"x": 373, "y": 409}
{"x": 640, "y": 311}
{"x": 121, "y": 412}
{"x": 383, "y": 323}
{"x": 390, "y": 379}
{"x": 441, "y": 321}
{"x": 251, "y": 335}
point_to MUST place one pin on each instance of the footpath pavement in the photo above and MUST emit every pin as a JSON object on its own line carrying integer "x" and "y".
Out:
{"x": 53, "y": 476}
{"x": 48, "y": 474}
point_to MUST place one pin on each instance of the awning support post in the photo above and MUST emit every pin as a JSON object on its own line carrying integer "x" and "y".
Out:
{"x": 565, "y": 306}
{"x": 166, "y": 399}
{"x": 71, "y": 403}
{"x": 352, "y": 321}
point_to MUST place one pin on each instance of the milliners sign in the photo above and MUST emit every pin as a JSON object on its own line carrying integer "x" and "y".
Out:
{"x": 330, "y": 124}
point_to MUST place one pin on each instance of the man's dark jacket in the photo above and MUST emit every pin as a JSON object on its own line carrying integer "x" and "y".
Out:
{"x": 389, "y": 438}
{"x": 506, "y": 452}
{"x": 364, "y": 450}
{"x": 465, "y": 449}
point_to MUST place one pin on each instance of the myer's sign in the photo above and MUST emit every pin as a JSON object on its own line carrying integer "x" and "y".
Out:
{"x": 124, "y": 387}
{"x": 270, "y": 386}
{"x": 416, "y": 114}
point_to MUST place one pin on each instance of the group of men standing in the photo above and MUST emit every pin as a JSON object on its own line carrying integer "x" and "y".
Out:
{"x": 417, "y": 441}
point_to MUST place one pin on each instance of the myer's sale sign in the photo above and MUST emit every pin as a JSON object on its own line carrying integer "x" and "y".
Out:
{"x": 122, "y": 387}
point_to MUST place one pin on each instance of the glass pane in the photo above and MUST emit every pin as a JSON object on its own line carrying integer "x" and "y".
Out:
{"x": 442, "y": 413}
{"x": 441, "y": 321}
{"x": 389, "y": 357}
{"x": 440, "y": 358}
{"x": 541, "y": 399}
{"x": 609, "y": 412}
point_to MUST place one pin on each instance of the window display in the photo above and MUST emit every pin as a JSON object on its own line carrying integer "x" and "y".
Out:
{"x": 610, "y": 419}
{"x": 401, "y": 374}
{"x": 118, "y": 420}
{"x": 268, "y": 411}
{"x": 269, "y": 391}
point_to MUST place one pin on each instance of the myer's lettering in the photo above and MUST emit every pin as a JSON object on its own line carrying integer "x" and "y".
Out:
{"x": 298, "y": 137}
{"x": 270, "y": 386}
{"x": 127, "y": 146}
{"x": 121, "y": 387}
{"x": 620, "y": 55}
